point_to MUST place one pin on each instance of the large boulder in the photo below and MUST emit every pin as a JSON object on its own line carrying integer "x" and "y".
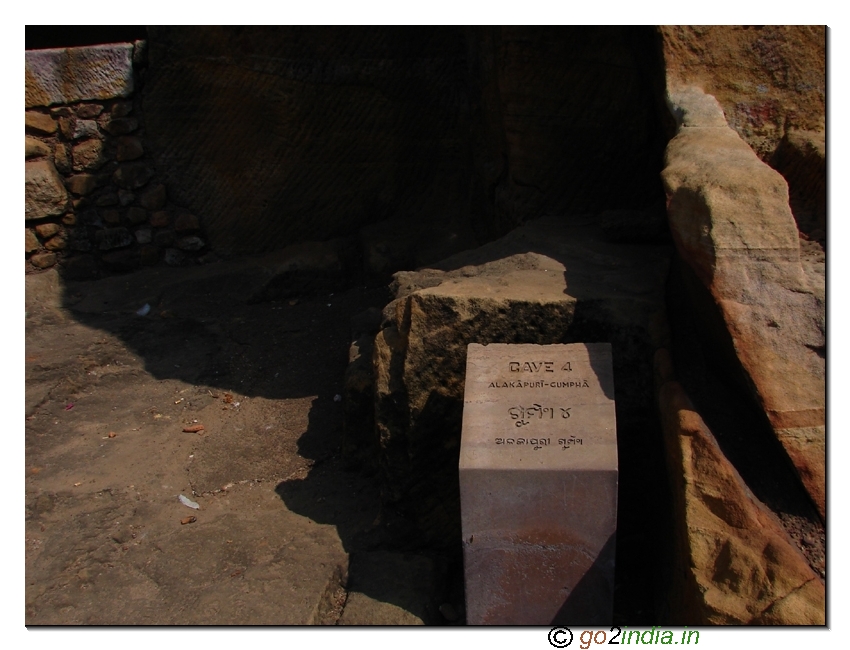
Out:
{"x": 736, "y": 564}
{"x": 731, "y": 221}
{"x": 547, "y": 282}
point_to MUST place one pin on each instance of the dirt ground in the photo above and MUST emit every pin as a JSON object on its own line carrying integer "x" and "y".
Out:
{"x": 284, "y": 532}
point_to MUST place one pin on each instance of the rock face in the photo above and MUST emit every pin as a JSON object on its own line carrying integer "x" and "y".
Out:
{"x": 75, "y": 74}
{"x": 737, "y": 565}
{"x": 314, "y": 133}
{"x": 547, "y": 282}
{"x": 768, "y": 79}
{"x": 45, "y": 194}
{"x": 731, "y": 222}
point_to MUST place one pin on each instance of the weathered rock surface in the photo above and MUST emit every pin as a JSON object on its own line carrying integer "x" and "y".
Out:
{"x": 113, "y": 238}
{"x": 736, "y": 564}
{"x": 75, "y": 129}
{"x": 731, "y": 222}
{"x": 45, "y": 194}
{"x": 132, "y": 175}
{"x": 36, "y": 148}
{"x": 65, "y": 76}
{"x": 88, "y": 155}
{"x": 40, "y": 123}
{"x": 129, "y": 148}
{"x": 46, "y": 230}
{"x": 768, "y": 79}
{"x": 31, "y": 244}
{"x": 546, "y": 282}
{"x": 83, "y": 184}
{"x": 43, "y": 260}
{"x": 154, "y": 198}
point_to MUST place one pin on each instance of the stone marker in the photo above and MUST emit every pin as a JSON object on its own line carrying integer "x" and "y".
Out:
{"x": 538, "y": 484}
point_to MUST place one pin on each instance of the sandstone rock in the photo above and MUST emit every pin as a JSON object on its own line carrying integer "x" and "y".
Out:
{"x": 69, "y": 219}
{"x": 574, "y": 286}
{"x": 129, "y": 148}
{"x": 159, "y": 219}
{"x": 738, "y": 566}
{"x": 62, "y": 158}
{"x": 40, "y": 123}
{"x": 121, "y": 109}
{"x": 57, "y": 243}
{"x": 75, "y": 129}
{"x": 191, "y": 243}
{"x": 46, "y": 230}
{"x": 132, "y": 175}
{"x": 45, "y": 194}
{"x": 767, "y": 79}
{"x": 110, "y": 216}
{"x": 108, "y": 199}
{"x": 144, "y": 236}
{"x": 88, "y": 111}
{"x": 164, "y": 238}
{"x": 121, "y": 125}
{"x": 36, "y": 148}
{"x": 174, "y": 256}
{"x": 111, "y": 238}
{"x": 31, "y": 241}
{"x": 43, "y": 260}
{"x": 126, "y": 197}
{"x": 154, "y": 198}
{"x": 83, "y": 184}
{"x": 65, "y": 76}
{"x": 730, "y": 219}
{"x": 137, "y": 215}
{"x": 88, "y": 155}
{"x": 186, "y": 222}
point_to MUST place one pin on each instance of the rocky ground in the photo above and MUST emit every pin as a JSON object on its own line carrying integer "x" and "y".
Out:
{"x": 284, "y": 532}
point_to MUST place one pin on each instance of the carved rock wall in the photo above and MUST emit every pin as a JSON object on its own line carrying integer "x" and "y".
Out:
{"x": 449, "y": 136}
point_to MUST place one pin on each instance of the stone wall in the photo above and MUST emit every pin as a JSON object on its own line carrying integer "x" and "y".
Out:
{"x": 94, "y": 199}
